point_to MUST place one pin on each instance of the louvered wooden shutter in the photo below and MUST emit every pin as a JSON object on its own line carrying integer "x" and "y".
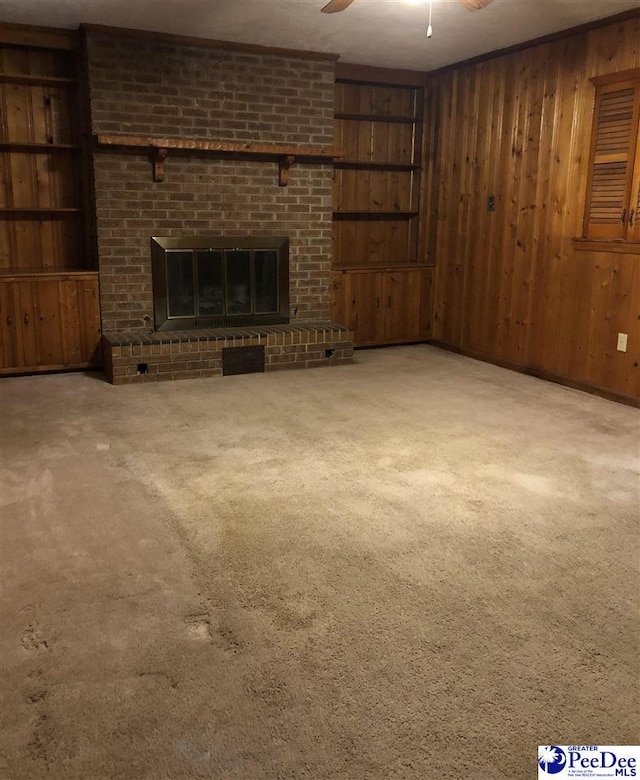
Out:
{"x": 613, "y": 150}
{"x": 633, "y": 233}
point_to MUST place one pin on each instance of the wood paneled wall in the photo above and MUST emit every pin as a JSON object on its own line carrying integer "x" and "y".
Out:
{"x": 510, "y": 286}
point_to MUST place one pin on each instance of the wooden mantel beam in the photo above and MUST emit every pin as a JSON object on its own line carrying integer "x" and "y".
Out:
{"x": 229, "y": 147}
{"x": 284, "y": 154}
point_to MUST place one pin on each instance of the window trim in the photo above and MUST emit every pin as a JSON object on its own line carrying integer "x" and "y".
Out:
{"x": 607, "y": 245}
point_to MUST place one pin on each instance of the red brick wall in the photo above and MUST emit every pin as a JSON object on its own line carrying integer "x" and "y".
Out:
{"x": 153, "y": 88}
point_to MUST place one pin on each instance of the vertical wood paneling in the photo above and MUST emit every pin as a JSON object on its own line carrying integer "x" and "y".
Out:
{"x": 510, "y": 286}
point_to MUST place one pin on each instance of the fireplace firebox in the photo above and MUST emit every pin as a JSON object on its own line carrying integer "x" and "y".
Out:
{"x": 206, "y": 282}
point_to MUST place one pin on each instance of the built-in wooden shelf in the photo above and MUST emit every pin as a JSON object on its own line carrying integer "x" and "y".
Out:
{"x": 45, "y": 272}
{"x": 374, "y": 215}
{"x": 405, "y": 120}
{"x": 36, "y": 81}
{"x": 50, "y": 299}
{"x": 34, "y": 212}
{"x": 385, "y": 266}
{"x": 284, "y": 154}
{"x": 378, "y": 288}
{"x": 364, "y": 165}
{"x": 28, "y": 146}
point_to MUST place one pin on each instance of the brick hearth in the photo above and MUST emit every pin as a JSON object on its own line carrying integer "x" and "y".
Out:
{"x": 198, "y": 353}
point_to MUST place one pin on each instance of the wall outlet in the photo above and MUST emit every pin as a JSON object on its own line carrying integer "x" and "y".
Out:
{"x": 622, "y": 342}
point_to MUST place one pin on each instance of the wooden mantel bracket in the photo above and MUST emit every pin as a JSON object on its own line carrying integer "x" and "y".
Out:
{"x": 284, "y": 154}
{"x": 158, "y": 157}
{"x": 284, "y": 164}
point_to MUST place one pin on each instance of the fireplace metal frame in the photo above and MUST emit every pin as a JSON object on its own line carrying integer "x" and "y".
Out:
{"x": 162, "y": 318}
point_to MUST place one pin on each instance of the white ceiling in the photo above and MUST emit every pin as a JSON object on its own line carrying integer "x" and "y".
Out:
{"x": 387, "y": 33}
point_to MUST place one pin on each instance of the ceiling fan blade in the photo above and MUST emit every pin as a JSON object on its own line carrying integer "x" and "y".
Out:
{"x": 474, "y": 5}
{"x": 336, "y": 5}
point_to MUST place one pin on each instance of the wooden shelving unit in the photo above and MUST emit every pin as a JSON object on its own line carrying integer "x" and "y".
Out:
{"x": 34, "y": 148}
{"x": 43, "y": 212}
{"x": 407, "y": 119}
{"x": 380, "y": 290}
{"x": 375, "y": 216}
{"x": 368, "y": 165}
{"x": 36, "y": 80}
{"x": 49, "y": 310}
{"x": 379, "y": 126}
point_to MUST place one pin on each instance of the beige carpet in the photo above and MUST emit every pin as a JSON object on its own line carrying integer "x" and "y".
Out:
{"x": 418, "y": 566}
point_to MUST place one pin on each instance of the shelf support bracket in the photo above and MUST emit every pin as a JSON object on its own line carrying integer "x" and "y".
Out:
{"x": 283, "y": 165}
{"x": 158, "y": 157}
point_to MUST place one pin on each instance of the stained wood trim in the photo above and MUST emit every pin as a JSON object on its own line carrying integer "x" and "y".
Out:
{"x": 346, "y": 71}
{"x": 346, "y": 269}
{"x": 629, "y": 400}
{"x": 88, "y": 193}
{"x": 34, "y": 212}
{"x": 375, "y": 215}
{"x": 593, "y": 245}
{"x": 633, "y": 74}
{"x": 391, "y": 343}
{"x": 36, "y": 81}
{"x": 365, "y": 165}
{"x": 405, "y": 120}
{"x": 19, "y": 146}
{"x": 37, "y": 37}
{"x": 187, "y": 40}
{"x": 18, "y": 371}
{"x": 37, "y": 274}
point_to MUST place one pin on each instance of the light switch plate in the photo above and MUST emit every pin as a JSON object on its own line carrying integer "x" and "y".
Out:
{"x": 622, "y": 342}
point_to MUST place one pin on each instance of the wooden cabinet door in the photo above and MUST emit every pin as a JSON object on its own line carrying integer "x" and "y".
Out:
{"x": 10, "y": 330}
{"x": 49, "y": 324}
{"x": 405, "y": 305}
{"x": 339, "y": 298}
{"x": 383, "y": 307}
{"x": 28, "y": 323}
{"x": 364, "y": 311}
{"x": 356, "y": 303}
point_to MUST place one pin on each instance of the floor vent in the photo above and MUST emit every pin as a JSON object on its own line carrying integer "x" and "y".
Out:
{"x": 242, "y": 360}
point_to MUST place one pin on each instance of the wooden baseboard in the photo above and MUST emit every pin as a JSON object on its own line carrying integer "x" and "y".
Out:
{"x": 26, "y": 370}
{"x": 629, "y": 400}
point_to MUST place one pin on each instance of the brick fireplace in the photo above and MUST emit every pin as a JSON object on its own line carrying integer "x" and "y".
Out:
{"x": 159, "y": 88}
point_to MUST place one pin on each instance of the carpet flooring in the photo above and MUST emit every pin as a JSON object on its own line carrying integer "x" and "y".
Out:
{"x": 416, "y": 566}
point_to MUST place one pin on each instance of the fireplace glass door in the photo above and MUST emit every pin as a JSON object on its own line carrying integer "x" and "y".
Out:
{"x": 207, "y": 283}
